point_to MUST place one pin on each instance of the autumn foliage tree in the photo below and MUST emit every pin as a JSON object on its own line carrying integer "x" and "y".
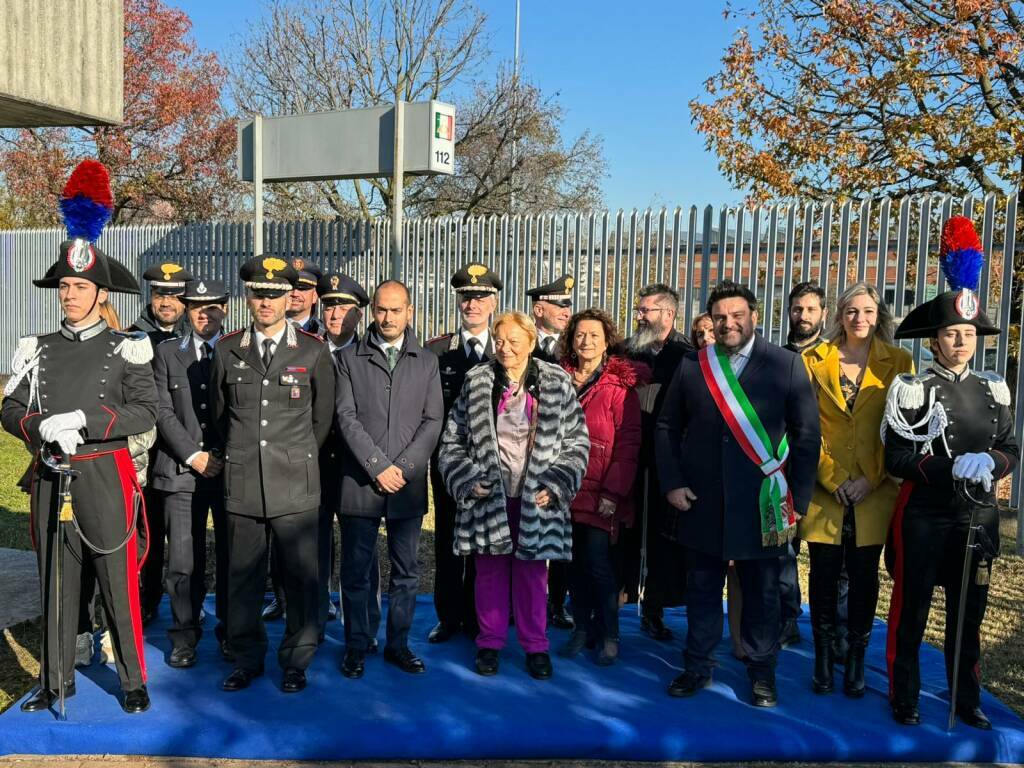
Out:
{"x": 172, "y": 157}
{"x": 846, "y": 98}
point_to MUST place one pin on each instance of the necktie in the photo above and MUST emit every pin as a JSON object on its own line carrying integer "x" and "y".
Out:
{"x": 548, "y": 345}
{"x": 474, "y": 350}
{"x": 392, "y": 355}
{"x": 205, "y": 353}
{"x": 268, "y": 353}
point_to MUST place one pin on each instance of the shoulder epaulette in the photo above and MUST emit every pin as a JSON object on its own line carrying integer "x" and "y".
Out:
{"x": 25, "y": 360}
{"x": 229, "y": 335}
{"x": 997, "y": 386}
{"x": 134, "y": 346}
{"x": 907, "y": 390}
{"x": 311, "y": 335}
{"x": 442, "y": 337}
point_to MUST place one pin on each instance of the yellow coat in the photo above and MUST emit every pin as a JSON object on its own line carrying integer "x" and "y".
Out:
{"x": 850, "y": 443}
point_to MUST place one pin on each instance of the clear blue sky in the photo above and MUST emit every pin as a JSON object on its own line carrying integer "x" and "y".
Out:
{"x": 624, "y": 70}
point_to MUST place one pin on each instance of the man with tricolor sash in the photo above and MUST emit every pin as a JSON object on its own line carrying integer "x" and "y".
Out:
{"x": 737, "y": 442}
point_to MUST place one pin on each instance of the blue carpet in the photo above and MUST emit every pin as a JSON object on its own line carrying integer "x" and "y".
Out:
{"x": 584, "y": 712}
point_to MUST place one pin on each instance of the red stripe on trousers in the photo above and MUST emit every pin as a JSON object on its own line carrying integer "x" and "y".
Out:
{"x": 130, "y": 488}
{"x": 896, "y": 601}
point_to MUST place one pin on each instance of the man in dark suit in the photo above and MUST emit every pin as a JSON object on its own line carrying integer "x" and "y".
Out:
{"x": 342, "y": 300}
{"x": 477, "y": 288}
{"x": 273, "y": 388}
{"x": 751, "y": 399}
{"x": 186, "y": 470}
{"x": 551, "y": 308}
{"x": 163, "y": 318}
{"x": 389, "y": 411}
{"x": 655, "y": 566}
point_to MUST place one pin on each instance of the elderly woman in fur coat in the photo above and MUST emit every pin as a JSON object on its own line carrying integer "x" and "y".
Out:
{"x": 605, "y": 384}
{"x": 512, "y": 456}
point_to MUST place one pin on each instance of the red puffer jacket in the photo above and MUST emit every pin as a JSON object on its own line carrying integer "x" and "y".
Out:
{"x": 612, "y": 409}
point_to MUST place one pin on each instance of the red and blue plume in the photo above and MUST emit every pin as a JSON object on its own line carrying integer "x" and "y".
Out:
{"x": 960, "y": 254}
{"x": 86, "y": 203}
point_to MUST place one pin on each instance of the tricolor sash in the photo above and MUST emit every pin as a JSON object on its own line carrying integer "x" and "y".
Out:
{"x": 775, "y": 502}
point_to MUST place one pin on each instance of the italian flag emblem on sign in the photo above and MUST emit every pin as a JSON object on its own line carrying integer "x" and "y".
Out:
{"x": 443, "y": 126}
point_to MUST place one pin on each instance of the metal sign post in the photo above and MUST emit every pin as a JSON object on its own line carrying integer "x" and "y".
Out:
{"x": 398, "y": 195}
{"x": 257, "y": 168}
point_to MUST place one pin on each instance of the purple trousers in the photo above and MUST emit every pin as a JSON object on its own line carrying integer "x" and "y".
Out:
{"x": 527, "y": 580}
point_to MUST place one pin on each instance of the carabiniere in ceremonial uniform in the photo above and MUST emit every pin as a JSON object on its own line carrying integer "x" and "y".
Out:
{"x": 949, "y": 434}
{"x": 75, "y": 398}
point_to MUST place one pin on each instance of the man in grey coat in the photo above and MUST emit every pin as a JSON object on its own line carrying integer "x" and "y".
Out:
{"x": 390, "y": 410}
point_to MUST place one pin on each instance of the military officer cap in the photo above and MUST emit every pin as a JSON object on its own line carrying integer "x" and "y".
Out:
{"x": 167, "y": 278}
{"x": 86, "y": 205}
{"x": 268, "y": 276}
{"x": 201, "y": 291}
{"x": 475, "y": 280}
{"x": 557, "y": 292}
{"x": 309, "y": 274}
{"x": 336, "y": 288}
{"x": 961, "y": 258}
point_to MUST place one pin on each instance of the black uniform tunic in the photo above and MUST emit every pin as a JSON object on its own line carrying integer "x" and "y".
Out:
{"x": 105, "y": 374}
{"x": 929, "y": 530}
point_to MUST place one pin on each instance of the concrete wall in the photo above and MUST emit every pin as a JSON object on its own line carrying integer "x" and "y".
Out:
{"x": 61, "y": 62}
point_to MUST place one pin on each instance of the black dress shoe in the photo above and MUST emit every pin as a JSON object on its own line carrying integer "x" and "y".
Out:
{"x": 974, "y": 717}
{"x": 239, "y": 679}
{"x": 539, "y": 666}
{"x": 353, "y": 665}
{"x": 405, "y": 660}
{"x": 687, "y": 684}
{"x": 906, "y": 714}
{"x": 559, "y": 617}
{"x": 655, "y": 627}
{"x": 487, "y": 661}
{"x": 225, "y": 651}
{"x": 574, "y": 645}
{"x": 609, "y": 653}
{"x": 45, "y": 698}
{"x": 181, "y": 658}
{"x": 294, "y": 680}
{"x": 790, "y": 634}
{"x": 135, "y": 701}
{"x": 442, "y": 633}
{"x": 273, "y": 611}
{"x": 762, "y": 694}
{"x": 373, "y": 646}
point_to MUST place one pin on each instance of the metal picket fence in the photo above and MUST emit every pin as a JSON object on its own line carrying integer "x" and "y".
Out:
{"x": 892, "y": 243}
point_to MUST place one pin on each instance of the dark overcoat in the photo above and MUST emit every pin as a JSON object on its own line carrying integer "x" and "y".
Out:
{"x": 384, "y": 418}
{"x": 696, "y": 450}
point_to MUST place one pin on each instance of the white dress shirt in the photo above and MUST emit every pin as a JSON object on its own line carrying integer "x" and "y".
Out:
{"x": 274, "y": 341}
{"x": 739, "y": 360}
{"x": 198, "y": 341}
{"x": 483, "y": 337}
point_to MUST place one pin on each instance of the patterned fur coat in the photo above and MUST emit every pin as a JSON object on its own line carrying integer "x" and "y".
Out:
{"x": 558, "y": 460}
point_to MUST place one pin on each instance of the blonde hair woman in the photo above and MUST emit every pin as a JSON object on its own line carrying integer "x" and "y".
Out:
{"x": 848, "y": 517}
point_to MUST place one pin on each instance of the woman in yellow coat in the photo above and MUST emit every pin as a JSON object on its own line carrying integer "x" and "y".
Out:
{"x": 848, "y": 517}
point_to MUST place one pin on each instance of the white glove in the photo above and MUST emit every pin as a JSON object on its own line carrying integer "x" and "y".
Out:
{"x": 69, "y": 440}
{"x": 969, "y": 466}
{"x": 986, "y": 481}
{"x": 51, "y": 426}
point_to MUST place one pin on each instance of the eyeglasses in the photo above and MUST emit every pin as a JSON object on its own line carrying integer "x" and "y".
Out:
{"x": 644, "y": 311}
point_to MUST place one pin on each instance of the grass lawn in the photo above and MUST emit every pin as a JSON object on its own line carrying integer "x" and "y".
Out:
{"x": 1002, "y": 635}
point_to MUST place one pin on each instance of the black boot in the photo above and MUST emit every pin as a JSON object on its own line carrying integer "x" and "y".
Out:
{"x": 853, "y": 675}
{"x": 822, "y": 681}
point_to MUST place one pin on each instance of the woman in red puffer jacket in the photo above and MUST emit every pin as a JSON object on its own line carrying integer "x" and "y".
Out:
{"x": 606, "y": 386}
